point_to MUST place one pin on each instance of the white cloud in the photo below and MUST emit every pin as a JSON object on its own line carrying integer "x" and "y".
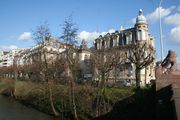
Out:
{"x": 111, "y": 30}
{"x": 175, "y": 34}
{"x": 8, "y": 47}
{"x": 173, "y": 19}
{"x": 25, "y": 36}
{"x": 154, "y": 16}
{"x": 90, "y": 36}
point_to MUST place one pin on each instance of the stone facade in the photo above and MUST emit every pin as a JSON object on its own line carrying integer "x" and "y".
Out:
{"x": 51, "y": 47}
{"x": 121, "y": 41}
{"x": 51, "y": 50}
{"x": 84, "y": 55}
{"x": 7, "y": 57}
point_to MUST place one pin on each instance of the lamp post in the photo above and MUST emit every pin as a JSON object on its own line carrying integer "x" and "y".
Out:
{"x": 160, "y": 29}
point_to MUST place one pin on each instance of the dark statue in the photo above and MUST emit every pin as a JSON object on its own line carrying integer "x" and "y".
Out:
{"x": 168, "y": 65}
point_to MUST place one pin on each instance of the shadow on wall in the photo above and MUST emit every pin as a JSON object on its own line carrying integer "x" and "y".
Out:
{"x": 145, "y": 104}
{"x": 165, "y": 107}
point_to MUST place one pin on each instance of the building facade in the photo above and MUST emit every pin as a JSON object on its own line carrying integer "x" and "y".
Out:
{"x": 84, "y": 56}
{"x": 117, "y": 44}
{"x": 121, "y": 41}
{"x": 7, "y": 57}
{"x": 49, "y": 50}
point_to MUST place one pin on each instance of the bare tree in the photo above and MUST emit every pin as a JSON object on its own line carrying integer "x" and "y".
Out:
{"x": 69, "y": 36}
{"x": 58, "y": 70}
{"x": 104, "y": 62}
{"x": 142, "y": 55}
{"x": 41, "y": 36}
{"x": 7, "y": 72}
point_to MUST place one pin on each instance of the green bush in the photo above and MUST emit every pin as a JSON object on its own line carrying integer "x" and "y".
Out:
{"x": 36, "y": 95}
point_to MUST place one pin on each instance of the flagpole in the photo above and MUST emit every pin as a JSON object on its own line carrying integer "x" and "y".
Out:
{"x": 160, "y": 29}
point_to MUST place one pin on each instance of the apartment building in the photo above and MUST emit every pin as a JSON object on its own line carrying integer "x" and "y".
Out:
{"x": 7, "y": 57}
{"x": 118, "y": 42}
{"x": 121, "y": 40}
{"x": 49, "y": 50}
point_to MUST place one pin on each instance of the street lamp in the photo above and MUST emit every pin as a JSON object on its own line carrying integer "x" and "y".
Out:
{"x": 160, "y": 29}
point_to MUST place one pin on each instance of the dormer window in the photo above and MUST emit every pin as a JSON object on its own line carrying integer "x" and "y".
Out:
{"x": 103, "y": 44}
{"x": 95, "y": 44}
{"x": 111, "y": 42}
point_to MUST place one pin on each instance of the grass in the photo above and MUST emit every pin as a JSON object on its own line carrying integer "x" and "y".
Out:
{"x": 36, "y": 95}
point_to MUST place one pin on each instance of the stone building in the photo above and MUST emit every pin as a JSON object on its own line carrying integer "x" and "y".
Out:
{"x": 84, "y": 55}
{"x": 49, "y": 51}
{"x": 53, "y": 50}
{"x": 7, "y": 57}
{"x": 121, "y": 41}
{"x": 117, "y": 43}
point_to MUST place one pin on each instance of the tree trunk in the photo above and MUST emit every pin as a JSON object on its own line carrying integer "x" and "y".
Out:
{"x": 138, "y": 72}
{"x": 73, "y": 100}
{"x": 102, "y": 81}
{"x": 115, "y": 74}
{"x": 72, "y": 84}
{"x": 51, "y": 100}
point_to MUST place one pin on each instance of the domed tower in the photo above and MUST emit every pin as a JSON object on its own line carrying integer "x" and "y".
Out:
{"x": 141, "y": 27}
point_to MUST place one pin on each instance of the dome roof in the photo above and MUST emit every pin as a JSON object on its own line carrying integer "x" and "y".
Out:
{"x": 141, "y": 18}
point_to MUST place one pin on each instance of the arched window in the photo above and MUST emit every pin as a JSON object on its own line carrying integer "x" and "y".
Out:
{"x": 95, "y": 44}
{"x": 120, "y": 39}
{"x": 103, "y": 44}
{"x": 130, "y": 37}
{"x": 111, "y": 42}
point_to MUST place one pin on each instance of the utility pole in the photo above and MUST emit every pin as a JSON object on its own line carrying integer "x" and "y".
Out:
{"x": 160, "y": 29}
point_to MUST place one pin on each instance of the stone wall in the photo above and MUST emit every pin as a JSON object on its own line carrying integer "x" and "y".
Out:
{"x": 167, "y": 74}
{"x": 166, "y": 80}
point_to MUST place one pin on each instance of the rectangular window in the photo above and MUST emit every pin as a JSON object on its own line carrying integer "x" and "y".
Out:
{"x": 124, "y": 39}
{"x": 130, "y": 38}
{"x": 111, "y": 43}
{"x": 120, "y": 40}
{"x": 143, "y": 35}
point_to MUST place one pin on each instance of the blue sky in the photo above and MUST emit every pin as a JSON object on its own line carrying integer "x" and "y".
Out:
{"x": 19, "y": 17}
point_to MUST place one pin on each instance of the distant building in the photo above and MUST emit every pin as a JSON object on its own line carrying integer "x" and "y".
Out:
{"x": 49, "y": 51}
{"x": 20, "y": 58}
{"x": 84, "y": 55}
{"x": 121, "y": 40}
{"x": 7, "y": 57}
{"x": 52, "y": 50}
